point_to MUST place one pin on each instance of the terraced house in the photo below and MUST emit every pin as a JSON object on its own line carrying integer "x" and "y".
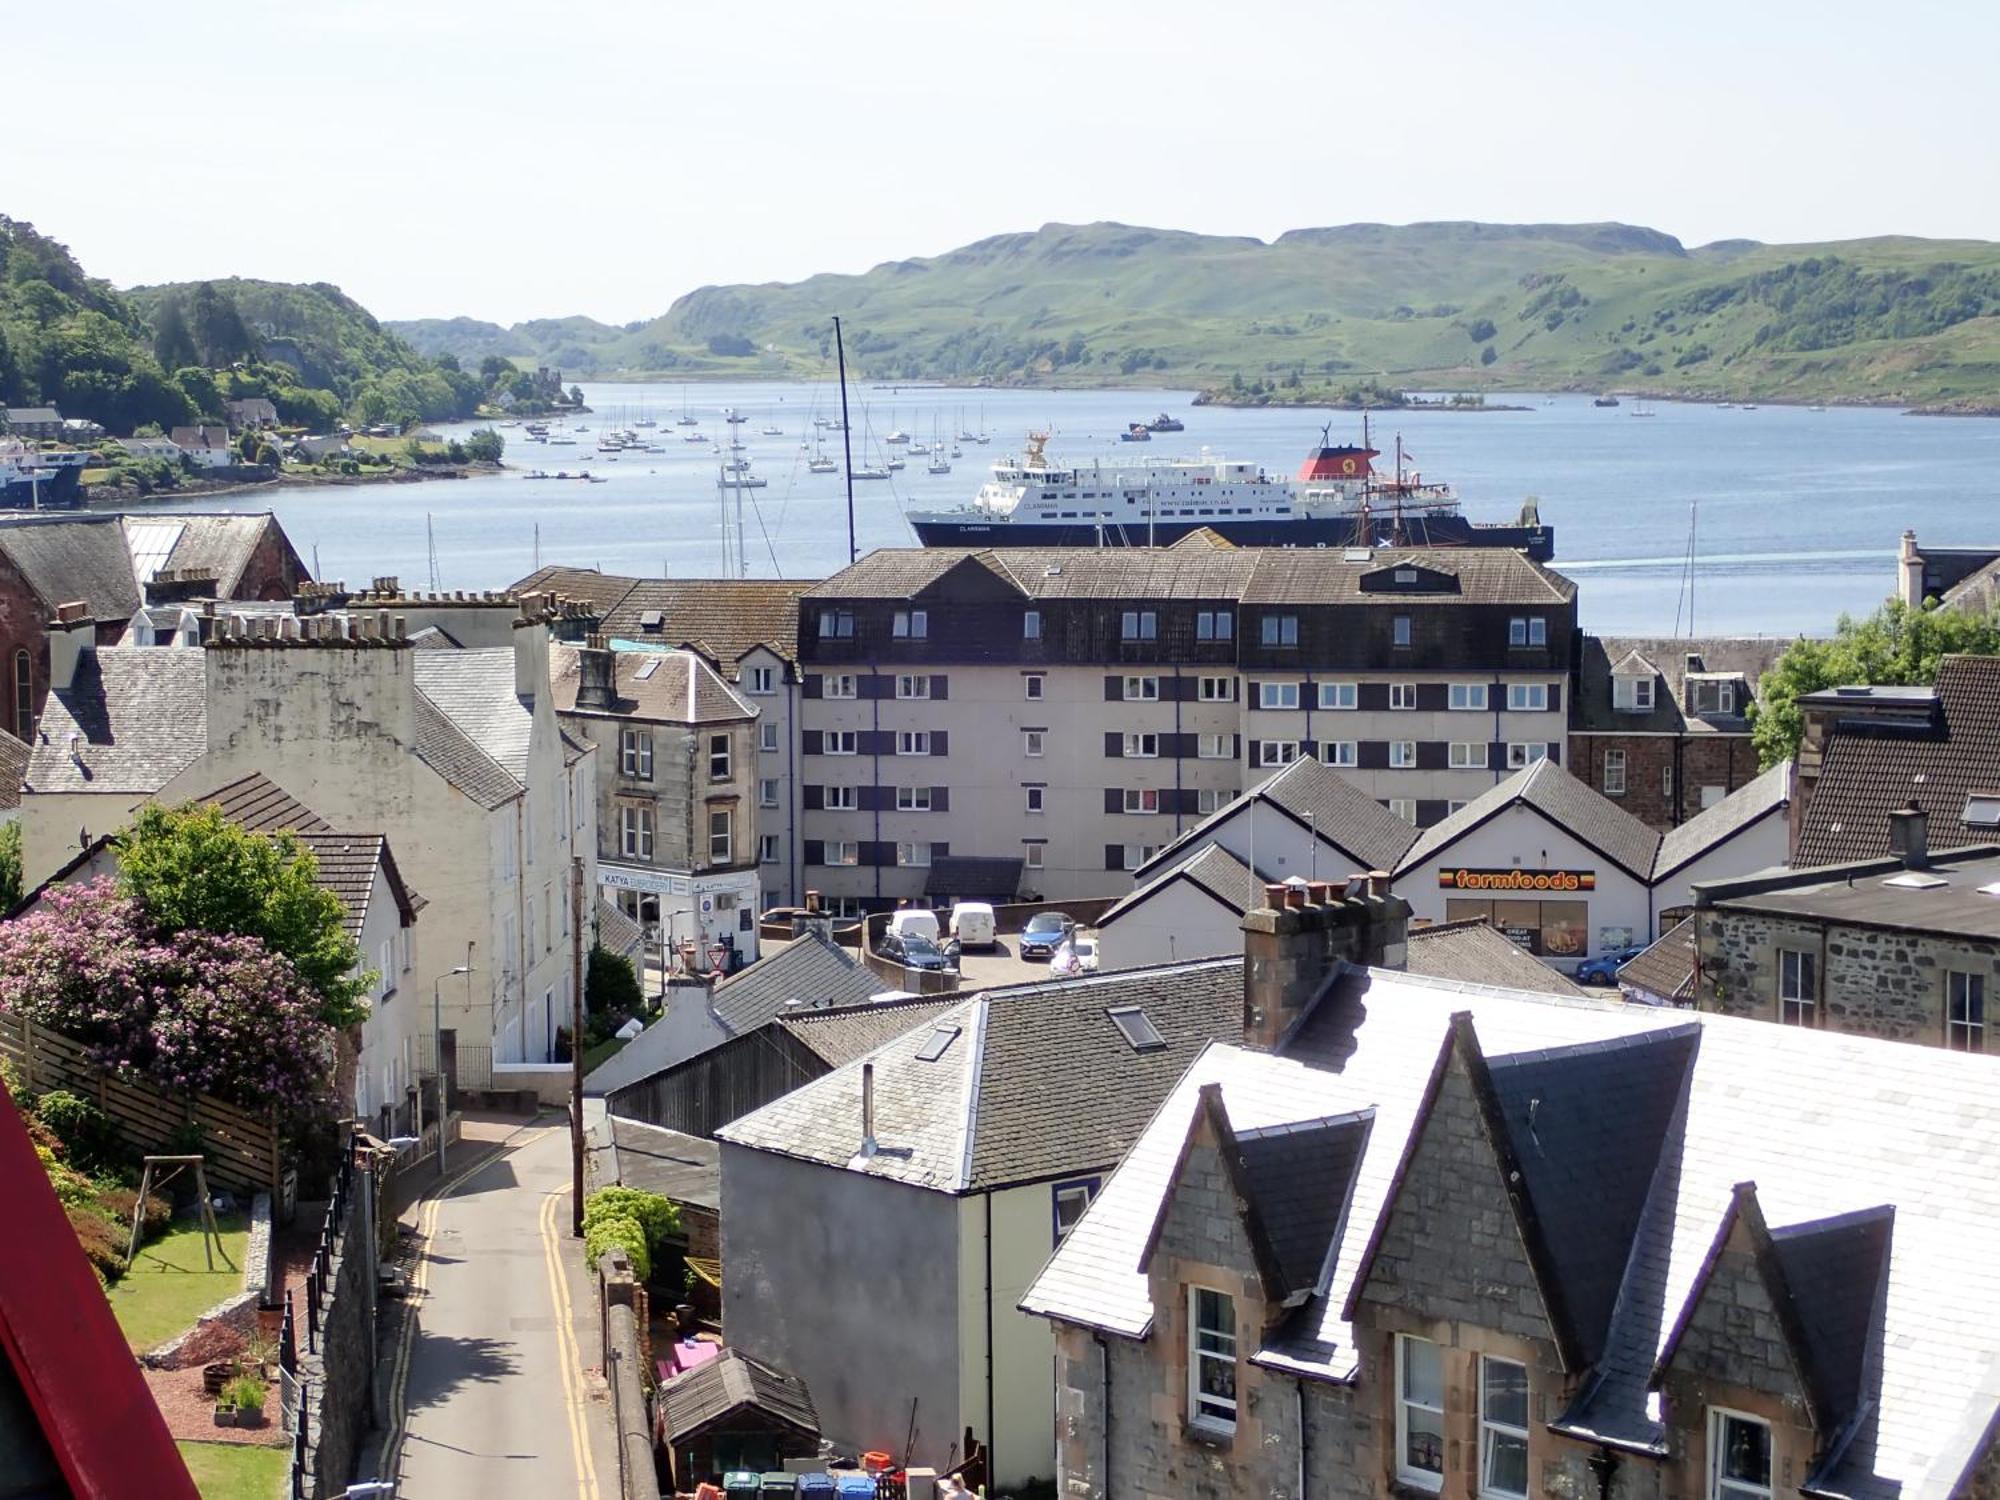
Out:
{"x": 1049, "y": 720}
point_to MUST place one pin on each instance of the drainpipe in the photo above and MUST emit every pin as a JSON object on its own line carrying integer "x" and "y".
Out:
{"x": 990, "y": 1469}
{"x": 1104, "y": 1371}
{"x": 875, "y": 769}
{"x": 1604, "y": 1464}
{"x": 795, "y": 889}
{"x": 1496, "y": 695}
{"x": 1300, "y": 1383}
{"x": 1179, "y": 777}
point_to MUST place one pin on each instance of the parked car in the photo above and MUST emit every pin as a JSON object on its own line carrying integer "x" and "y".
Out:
{"x": 912, "y": 950}
{"x": 1076, "y": 956}
{"x": 1044, "y": 934}
{"x": 972, "y": 925}
{"x": 918, "y": 919}
{"x": 1604, "y": 968}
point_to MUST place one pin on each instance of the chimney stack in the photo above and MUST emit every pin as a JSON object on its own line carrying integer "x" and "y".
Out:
{"x": 868, "y": 1109}
{"x": 596, "y": 675}
{"x": 1909, "y": 836}
{"x": 72, "y": 636}
{"x": 1302, "y": 937}
{"x": 1910, "y": 572}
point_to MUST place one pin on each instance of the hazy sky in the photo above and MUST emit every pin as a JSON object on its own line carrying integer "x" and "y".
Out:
{"x": 507, "y": 161}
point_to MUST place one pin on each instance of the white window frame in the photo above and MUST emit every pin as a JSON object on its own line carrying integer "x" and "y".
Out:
{"x": 1403, "y": 696}
{"x": 767, "y": 737}
{"x": 1632, "y": 695}
{"x": 913, "y": 799}
{"x": 1215, "y": 747}
{"x": 913, "y": 742}
{"x": 1272, "y": 753}
{"x": 1527, "y": 697}
{"x": 1212, "y": 799}
{"x": 767, "y": 792}
{"x": 1068, "y": 1201}
{"x": 1034, "y": 686}
{"x": 1402, "y": 755}
{"x": 1492, "y": 1432}
{"x": 836, "y": 624}
{"x": 1340, "y": 752}
{"x": 636, "y": 831}
{"x": 1467, "y": 697}
{"x": 767, "y": 849}
{"x": 911, "y": 624}
{"x": 1468, "y": 755}
{"x": 1216, "y": 690}
{"x": 839, "y": 799}
{"x": 1142, "y": 689}
{"x": 1528, "y": 630}
{"x": 635, "y": 754}
{"x": 839, "y": 685}
{"x": 1137, "y": 798}
{"x": 1278, "y": 697}
{"x": 1964, "y": 1011}
{"x": 1423, "y": 1479}
{"x": 763, "y": 681}
{"x": 721, "y": 845}
{"x": 1721, "y": 1486}
{"x": 1207, "y": 1345}
{"x": 1404, "y": 808}
{"x": 1339, "y": 697}
{"x": 1142, "y": 747}
{"x": 1137, "y": 854}
{"x": 1524, "y": 753}
{"x": 840, "y": 742}
{"x": 1613, "y": 776}
{"x": 1032, "y": 856}
{"x": 1798, "y": 987}
{"x": 1725, "y": 697}
{"x": 912, "y": 686}
{"x": 913, "y": 856}
{"x": 842, "y": 852}
{"x": 1034, "y": 742}
{"x": 1035, "y": 799}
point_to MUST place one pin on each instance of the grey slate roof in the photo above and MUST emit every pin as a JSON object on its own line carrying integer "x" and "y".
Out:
{"x": 1474, "y": 952}
{"x": 68, "y": 558}
{"x": 631, "y": 1153}
{"x": 474, "y": 689}
{"x": 141, "y": 717}
{"x": 839, "y": 1035}
{"x": 728, "y": 1386}
{"x": 1859, "y": 893}
{"x": 1768, "y": 795}
{"x": 809, "y": 969}
{"x": 1592, "y": 710}
{"x": 14, "y": 758}
{"x": 617, "y": 931}
{"x": 1298, "y": 1176}
{"x": 220, "y": 544}
{"x": 1210, "y": 868}
{"x": 1664, "y": 973}
{"x": 1035, "y": 1083}
{"x": 1826, "y": 1125}
{"x": 1833, "y": 1269}
{"x": 1564, "y": 801}
{"x": 652, "y": 685}
{"x": 457, "y": 757}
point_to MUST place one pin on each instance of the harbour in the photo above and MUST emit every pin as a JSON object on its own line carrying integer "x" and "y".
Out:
{"x": 1794, "y": 512}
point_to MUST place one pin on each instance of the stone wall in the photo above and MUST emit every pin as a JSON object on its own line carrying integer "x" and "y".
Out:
{"x": 1873, "y": 982}
{"x": 1695, "y": 760}
{"x": 340, "y": 1370}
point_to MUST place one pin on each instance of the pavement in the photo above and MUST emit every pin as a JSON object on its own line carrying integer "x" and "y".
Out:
{"x": 497, "y": 1373}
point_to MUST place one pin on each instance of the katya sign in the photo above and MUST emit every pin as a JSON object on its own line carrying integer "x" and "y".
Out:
{"x": 1523, "y": 882}
{"x": 661, "y": 883}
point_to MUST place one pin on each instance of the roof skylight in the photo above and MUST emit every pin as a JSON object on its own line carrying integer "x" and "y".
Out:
{"x": 1137, "y": 1028}
{"x": 937, "y": 1043}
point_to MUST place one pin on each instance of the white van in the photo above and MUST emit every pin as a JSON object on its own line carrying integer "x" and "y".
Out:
{"x": 972, "y": 924}
{"x": 920, "y": 920}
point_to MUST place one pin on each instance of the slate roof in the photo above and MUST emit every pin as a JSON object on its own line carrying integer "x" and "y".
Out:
{"x": 455, "y": 756}
{"x": 1474, "y": 952}
{"x": 1870, "y": 768}
{"x": 651, "y": 685}
{"x": 632, "y": 1153}
{"x": 725, "y": 616}
{"x": 1665, "y": 659}
{"x": 839, "y": 1035}
{"x": 1036, "y": 1082}
{"x": 1664, "y": 973}
{"x": 258, "y": 804}
{"x": 1833, "y": 1269}
{"x": 1769, "y": 794}
{"x": 1564, "y": 801}
{"x": 1211, "y": 868}
{"x": 141, "y": 717}
{"x": 14, "y": 757}
{"x": 475, "y": 690}
{"x": 221, "y": 544}
{"x": 808, "y": 969}
{"x": 1297, "y": 1178}
{"x": 1826, "y": 1125}
{"x": 617, "y": 931}
{"x": 726, "y": 1387}
{"x": 67, "y": 558}
{"x": 1859, "y": 893}
{"x": 1249, "y": 575}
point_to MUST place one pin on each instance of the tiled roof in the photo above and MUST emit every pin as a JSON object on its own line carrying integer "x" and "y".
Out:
{"x": 652, "y": 685}
{"x": 1474, "y": 953}
{"x": 727, "y": 616}
{"x": 474, "y": 692}
{"x": 140, "y": 714}
{"x": 1768, "y": 794}
{"x": 617, "y": 931}
{"x": 14, "y": 758}
{"x": 1035, "y": 1081}
{"x": 654, "y": 1159}
{"x": 1869, "y": 769}
{"x": 347, "y": 865}
{"x": 1665, "y": 971}
{"x": 732, "y": 1383}
{"x": 1665, "y": 660}
{"x": 447, "y": 750}
{"x": 70, "y": 558}
{"x": 220, "y": 544}
{"x": 259, "y": 805}
{"x": 809, "y": 969}
{"x": 1250, "y": 575}
{"x": 1211, "y": 867}
{"x": 601, "y": 590}
{"x": 1825, "y": 1125}
{"x": 837, "y": 1036}
{"x": 1566, "y": 802}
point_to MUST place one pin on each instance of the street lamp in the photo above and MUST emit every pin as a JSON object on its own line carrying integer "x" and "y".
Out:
{"x": 437, "y": 1052}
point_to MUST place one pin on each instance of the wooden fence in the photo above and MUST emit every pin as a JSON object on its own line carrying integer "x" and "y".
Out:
{"x": 242, "y": 1147}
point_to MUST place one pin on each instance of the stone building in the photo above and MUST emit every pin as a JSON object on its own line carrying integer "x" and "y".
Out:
{"x": 1965, "y": 578}
{"x": 1904, "y": 947}
{"x": 116, "y": 566}
{"x": 678, "y": 794}
{"x": 1439, "y": 1239}
{"x": 1662, "y": 725}
{"x": 1065, "y": 715}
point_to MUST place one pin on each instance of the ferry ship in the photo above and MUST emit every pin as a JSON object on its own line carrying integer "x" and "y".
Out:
{"x": 31, "y": 479}
{"x": 1337, "y": 499}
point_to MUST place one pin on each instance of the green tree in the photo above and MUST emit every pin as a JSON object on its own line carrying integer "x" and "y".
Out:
{"x": 200, "y": 389}
{"x": 493, "y": 367}
{"x": 191, "y": 868}
{"x": 1487, "y": 356}
{"x": 173, "y": 346}
{"x": 10, "y": 866}
{"x": 1896, "y": 644}
{"x": 217, "y": 327}
{"x": 610, "y": 987}
{"x": 485, "y": 446}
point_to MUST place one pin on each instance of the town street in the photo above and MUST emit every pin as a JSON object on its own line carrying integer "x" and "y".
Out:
{"x": 495, "y": 1391}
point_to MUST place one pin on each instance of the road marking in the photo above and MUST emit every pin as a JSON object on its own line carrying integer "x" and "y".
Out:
{"x": 568, "y": 1354}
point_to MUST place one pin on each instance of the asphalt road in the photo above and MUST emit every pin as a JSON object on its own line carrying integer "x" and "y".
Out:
{"x": 501, "y": 1392}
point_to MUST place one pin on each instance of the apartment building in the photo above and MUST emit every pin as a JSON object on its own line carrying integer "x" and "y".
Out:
{"x": 1060, "y": 716}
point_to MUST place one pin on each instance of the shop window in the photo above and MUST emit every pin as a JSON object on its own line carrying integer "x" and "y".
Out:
{"x": 1547, "y": 929}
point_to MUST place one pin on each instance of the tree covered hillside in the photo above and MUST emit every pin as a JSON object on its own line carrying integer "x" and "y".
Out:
{"x": 1458, "y": 305}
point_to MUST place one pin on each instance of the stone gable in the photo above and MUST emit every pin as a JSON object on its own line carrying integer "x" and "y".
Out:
{"x": 1733, "y": 1335}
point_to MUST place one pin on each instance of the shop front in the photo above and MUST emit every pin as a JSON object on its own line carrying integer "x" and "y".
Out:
{"x": 706, "y": 921}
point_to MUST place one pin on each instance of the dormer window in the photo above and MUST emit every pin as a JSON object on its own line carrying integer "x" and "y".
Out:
{"x": 1739, "y": 1456}
{"x": 1711, "y": 696}
{"x": 1632, "y": 695}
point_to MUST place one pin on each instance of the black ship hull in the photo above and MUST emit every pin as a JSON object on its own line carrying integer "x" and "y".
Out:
{"x": 54, "y": 489}
{"x": 1539, "y": 542}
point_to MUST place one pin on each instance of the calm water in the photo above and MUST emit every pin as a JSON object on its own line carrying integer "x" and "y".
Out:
{"x": 1796, "y": 512}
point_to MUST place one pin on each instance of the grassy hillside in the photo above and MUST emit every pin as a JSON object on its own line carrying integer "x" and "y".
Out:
{"x": 1451, "y": 304}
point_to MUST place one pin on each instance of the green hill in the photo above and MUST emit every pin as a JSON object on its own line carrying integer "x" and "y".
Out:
{"x": 1459, "y": 305}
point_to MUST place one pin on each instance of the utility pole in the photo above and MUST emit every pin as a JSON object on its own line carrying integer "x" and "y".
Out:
{"x": 846, "y": 439}
{"x": 576, "y": 1045}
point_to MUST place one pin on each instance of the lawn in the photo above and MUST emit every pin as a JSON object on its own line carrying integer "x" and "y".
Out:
{"x": 232, "y": 1471}
{"x": 170, "y": 1285}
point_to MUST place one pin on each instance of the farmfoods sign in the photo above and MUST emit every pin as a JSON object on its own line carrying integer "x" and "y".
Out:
{"x": 1507, "y": 882}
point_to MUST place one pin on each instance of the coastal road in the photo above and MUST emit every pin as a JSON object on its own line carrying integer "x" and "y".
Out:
{"x": 498, "y": 1402}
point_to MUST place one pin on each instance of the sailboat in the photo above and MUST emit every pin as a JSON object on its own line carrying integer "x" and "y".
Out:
{"x": 939, "y": 464}
{"x": 686, "y": 418}
{"x": 897, "y": 437}
{"x": 984, "y": 437}
{"x": 964, "y": 432}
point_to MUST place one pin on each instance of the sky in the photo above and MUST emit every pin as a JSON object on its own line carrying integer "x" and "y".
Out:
{"x": 507, "y": 161}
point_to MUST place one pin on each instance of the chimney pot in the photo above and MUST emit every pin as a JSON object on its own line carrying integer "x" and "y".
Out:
{"x": 1295, "y": 897}
{"x": 1909, "y": 836}
{"x": 1274, "y": 897}
{"x": 1320, "y": 892}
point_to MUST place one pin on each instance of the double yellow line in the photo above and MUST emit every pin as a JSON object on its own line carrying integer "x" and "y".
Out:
{"x": 568, "y": 1355}
{"x": 427, "y": 1216}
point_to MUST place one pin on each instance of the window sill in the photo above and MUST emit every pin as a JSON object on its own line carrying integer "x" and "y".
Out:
{"x": 1410, "y": 1489}
{"x": 1209, "y": 1434}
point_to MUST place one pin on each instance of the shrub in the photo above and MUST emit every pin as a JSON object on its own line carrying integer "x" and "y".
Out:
{"x": 89, "y": 1137}
{"x": 653, "y": 1213}
{"x": 117, "y": 1204}
{"x": 99, "y": 1237}
{"x": 245, "y": 1393}
{"x": 618, "y": 1231}
{"x": 73, "y": 1189}
{"x": 610, "y": 986}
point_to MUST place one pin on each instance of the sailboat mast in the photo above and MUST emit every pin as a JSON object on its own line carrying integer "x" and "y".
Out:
{"x": 846, "y": 440}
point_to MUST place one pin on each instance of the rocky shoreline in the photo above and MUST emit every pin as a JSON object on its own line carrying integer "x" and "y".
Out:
{"x": 117, "y": 497}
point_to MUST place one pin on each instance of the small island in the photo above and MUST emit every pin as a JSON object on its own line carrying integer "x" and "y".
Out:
{"x": 1365, "y": 395}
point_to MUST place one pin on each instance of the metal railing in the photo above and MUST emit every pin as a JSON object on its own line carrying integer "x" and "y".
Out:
{"x": 318, "y": 1290}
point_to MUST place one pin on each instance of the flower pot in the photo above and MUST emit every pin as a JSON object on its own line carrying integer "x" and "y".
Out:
{"x": 214, "y": 1377}
{"x": 245, "y": 1417}
{"x": 225, "y": 1416}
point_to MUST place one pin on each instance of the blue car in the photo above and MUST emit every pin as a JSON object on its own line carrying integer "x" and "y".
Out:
{"x": 1604, "y": 968}
{"x": 1044, "y": 934}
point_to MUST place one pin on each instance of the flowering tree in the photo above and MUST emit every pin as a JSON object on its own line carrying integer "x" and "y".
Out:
{"x": 191, "y": 1011}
